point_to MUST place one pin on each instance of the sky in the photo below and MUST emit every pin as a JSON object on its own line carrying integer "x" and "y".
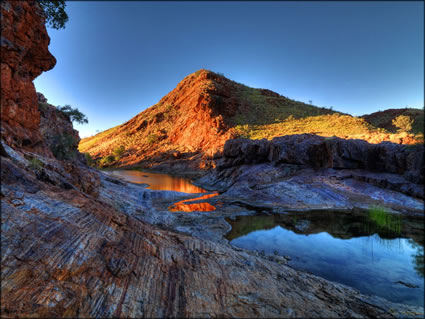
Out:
{"x": 117, "y": 58}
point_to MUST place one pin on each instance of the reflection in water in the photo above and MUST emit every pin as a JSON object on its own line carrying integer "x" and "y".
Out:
{"x": 182, "y": 205}
{"x": 158, "y": 181}
{"x": 346, "y": 248}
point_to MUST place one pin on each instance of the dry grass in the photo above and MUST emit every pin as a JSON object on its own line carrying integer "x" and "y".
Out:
{"x": 324, "y": 125}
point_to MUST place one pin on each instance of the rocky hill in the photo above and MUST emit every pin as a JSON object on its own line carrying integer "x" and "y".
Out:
{"x": 189, "y": 126}
{"x": 195, "y": 119}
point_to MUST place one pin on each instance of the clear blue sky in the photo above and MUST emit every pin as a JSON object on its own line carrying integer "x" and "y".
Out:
{"x": 115, "y": 59}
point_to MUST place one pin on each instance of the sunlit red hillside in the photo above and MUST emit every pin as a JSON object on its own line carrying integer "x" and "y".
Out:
{"x": 195, "y": 119}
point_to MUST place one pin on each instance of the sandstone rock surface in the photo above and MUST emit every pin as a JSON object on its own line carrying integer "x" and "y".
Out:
{"x": 24, "y": 56}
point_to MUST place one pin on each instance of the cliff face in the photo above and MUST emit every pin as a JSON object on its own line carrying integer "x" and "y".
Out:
{"x": 57, "y": 132}
{"x": 24, "y": 56}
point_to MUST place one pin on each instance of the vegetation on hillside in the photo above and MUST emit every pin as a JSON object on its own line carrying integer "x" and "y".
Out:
{"x": 403, "y": 123}
{"x": 324, "y": 125}
{"x": 261, "y": 109}
{"x": 384, "y": 119}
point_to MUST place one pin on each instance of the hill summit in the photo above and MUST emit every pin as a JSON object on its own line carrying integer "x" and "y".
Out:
{"x": 190, "y": 125}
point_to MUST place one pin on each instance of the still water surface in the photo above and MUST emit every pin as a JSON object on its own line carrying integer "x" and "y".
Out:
{"x": 343, "y": 248}
{"x": 157, "y": 181}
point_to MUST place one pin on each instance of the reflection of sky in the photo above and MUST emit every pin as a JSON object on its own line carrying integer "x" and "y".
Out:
{"x": 159, "y": 181}
{"x": 370, "y": 264}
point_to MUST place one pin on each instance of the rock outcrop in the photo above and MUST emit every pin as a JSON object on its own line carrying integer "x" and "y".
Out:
{"x": 24, "y": 56}
{"x": 315, "y": 151}
{"x": 57, "y": 131}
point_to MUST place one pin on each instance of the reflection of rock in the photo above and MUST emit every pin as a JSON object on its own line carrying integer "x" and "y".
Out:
{"x": 339, "y": 224}
{"x": 302, "y": 225}
{"x": 407, "y": 284}
{"x": 187, "y": 205}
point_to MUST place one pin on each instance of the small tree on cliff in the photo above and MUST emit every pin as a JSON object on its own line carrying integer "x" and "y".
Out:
{"x": 72, "y": 114}
{"x": 56, "y": 17}
{"x": 403, "y": 123}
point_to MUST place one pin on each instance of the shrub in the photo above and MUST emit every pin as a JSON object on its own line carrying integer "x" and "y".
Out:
{"x": 106, "y": 160}
{"x": 243, "y": 130}
{"x": 73, "y": 114}
{"x": 64, "y": 147}
{"x": 152, "y": 138}
{"x": 403, "y": 123}
{"x": 119, "y": 151}
{"x": 36, "y": 164}
{"x": 89, "y": 159}
{"x": 169, "y": 107}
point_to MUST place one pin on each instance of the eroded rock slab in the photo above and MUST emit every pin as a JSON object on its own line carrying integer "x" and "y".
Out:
{"x": 66, "y": 253}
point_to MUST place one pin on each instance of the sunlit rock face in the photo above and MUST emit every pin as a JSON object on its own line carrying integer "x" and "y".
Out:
{"x": 24, "y": 56}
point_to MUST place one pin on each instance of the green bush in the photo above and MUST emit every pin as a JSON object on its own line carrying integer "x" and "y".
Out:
{"x": 152, "y": 138}
{"x": 89, "y": 159}
{"x": 36, "y": 164}
{"x": 64, "y": 147}
{"x": 106, "y": 160}
{"x": 119, "y": 151}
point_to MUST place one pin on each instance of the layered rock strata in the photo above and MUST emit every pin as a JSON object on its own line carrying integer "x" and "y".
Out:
{"x": 308, "y": 150}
